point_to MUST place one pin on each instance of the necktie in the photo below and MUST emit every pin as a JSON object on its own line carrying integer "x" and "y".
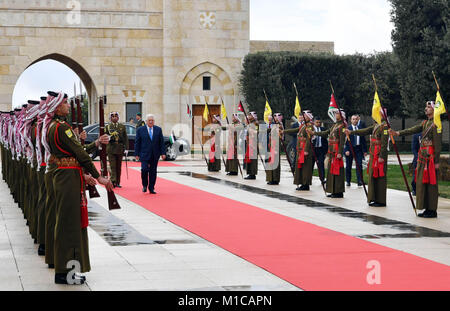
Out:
{"x": 357, "y": 137}
{"x": 150, "y": 132}
{"x": 318, "y": 142}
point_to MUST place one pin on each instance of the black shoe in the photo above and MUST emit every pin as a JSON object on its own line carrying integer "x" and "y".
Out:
{"x": 414, "y": 193}
{"x": 41, "y": 250}
{"x": 233, "y": 173}
{"x": 360, "y": 184}
{"x": 51, "y": 266}
{"x": 329, "y": 195}
{"x": 372, "y": 203}
{"x": 337, "y": 195}
{"x": 304, "y": 188}
{"x": 376, "y": 204}
{"x": 61, "y": 278}
{"x": 348, "y": 184}
{"x": 144, "y": 189}
{"x": 428, "y": 214}
{"x": 250, "y": 177}
{"x": 152, "y": 191}
{"x": 228, "y": 174}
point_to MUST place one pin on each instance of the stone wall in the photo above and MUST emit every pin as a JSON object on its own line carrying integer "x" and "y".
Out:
{"x": 295, "y": 46}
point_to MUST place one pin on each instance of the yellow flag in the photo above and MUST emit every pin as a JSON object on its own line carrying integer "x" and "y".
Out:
{"x": 223, "y": 111}
{"x": 267, "y": 112}
{"x": 376, "y": 108}
{"x": 206, "y": 113}
{"x": 439, "y": 108}
{"x": 298, "y": 109}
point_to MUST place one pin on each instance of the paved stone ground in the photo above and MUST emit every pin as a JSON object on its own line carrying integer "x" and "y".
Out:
{"x": 188, "y": 262}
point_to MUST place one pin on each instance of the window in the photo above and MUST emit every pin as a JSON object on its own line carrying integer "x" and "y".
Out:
{"x": 206, "y": 83}
{"x": 131, "y": 129}
{"x": 95, "y": 130}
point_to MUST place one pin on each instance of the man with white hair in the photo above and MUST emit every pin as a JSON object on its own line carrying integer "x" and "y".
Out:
{"x": 149, "y": 146}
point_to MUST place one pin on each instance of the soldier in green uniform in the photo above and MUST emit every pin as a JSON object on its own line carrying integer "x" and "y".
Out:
{"x": 116, "y": 148}
{"x": 232, "y": 163}
{"x": 377, "y": 167}
{"x": 251, "y": 148}
{"x": 336, "y": 141}
{"x": 304, "y": 158}
{"x": 139, "y": 121}
{"x": 215, "y": 150}
{"x": 273, "y": 166}
{"x": 69, "y": 158}
{"x": 428, "y": 162}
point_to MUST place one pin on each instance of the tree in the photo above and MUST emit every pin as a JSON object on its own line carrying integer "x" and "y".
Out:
{"x": 421, "y": 41}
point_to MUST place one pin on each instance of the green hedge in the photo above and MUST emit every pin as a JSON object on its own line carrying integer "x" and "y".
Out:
{"x": 351, "y": 75}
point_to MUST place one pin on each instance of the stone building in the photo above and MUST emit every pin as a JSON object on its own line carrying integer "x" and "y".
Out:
{"x": 157, "y": 56}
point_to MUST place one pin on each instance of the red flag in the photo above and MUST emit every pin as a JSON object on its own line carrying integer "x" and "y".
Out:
{"x": 333, "y": 102}
{"x": 240, "y": 107}
{"x": 189, "y": 111}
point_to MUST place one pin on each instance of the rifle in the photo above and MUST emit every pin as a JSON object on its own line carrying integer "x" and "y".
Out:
{"x": 72, "y": 110}
{"x": 93, "y": 193}
{"x": 112, "y": 200}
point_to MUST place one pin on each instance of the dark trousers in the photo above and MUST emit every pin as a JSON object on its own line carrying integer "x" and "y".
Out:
{"x": 148, "y": 172}
{"x": 115, "y": 162}
{"x": 349, "y": 161}
{"x": 320, "y": 153}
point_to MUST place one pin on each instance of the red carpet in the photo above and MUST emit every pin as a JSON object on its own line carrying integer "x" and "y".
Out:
{"x": 306, "y": 255}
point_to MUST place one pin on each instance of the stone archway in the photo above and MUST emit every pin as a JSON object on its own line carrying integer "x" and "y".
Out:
{"x": 79, "y": 71}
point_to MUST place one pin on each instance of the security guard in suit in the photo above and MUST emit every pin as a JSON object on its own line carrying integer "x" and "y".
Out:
{"x": 116, "y": 147}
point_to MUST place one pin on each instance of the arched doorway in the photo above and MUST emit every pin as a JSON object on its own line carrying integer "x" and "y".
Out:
{"x": 206, "y": 82}
{"x": 55, "y": 72}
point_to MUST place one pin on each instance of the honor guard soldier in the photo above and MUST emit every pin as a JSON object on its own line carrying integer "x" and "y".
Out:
{"x": 377, "y": 167}
{"x": 251, "y": 148}
{"x": 273, "y": 166}
{"x": 116, "y": 147}
{"x": 234, "y": 129}
{"x": 215, "y": 151}
{"x": 336, "y": 142}
{"x": 428, "y": 162}
{"x": 304, "y": 158}
{"x": 69, "y": 158}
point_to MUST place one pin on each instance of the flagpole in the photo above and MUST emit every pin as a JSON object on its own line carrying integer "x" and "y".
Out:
{"x": 228, "y": 123}
{"x": 282, "y": 142}
{"x": 396, "y": 150}
{"x": 312, "y": 147}
{"x": 439, "y": 90}
{"x": 350, "y": 143}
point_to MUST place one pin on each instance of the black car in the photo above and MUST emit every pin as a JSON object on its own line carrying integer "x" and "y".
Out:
{"x": 180, "y": 146}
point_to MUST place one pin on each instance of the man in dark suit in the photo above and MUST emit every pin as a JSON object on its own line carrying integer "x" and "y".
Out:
{"x": 149, "y": 146}
{"x": 320, "y": 146}
{"x": 359, "y": 146}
